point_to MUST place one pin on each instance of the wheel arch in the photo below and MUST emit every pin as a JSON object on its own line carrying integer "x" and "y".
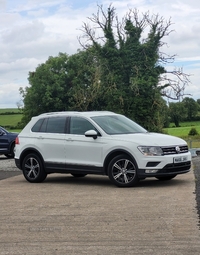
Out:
{"x": 11, "y": 144}
{"x": 115, "y": 153}
{"x": 29, "y": 151}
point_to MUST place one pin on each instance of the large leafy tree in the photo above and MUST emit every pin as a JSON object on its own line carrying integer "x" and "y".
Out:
{"x": 48, "y": 90}
{"x": 120, "y": 68}
{"x": 131, "y": 64}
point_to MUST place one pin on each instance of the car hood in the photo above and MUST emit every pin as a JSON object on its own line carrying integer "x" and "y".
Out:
{"x": 151, "y": 139}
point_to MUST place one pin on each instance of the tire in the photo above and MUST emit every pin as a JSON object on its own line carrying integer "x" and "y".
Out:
{"x": 166, "y": 178}
{"x": 79, "y": 175}
{"x": 11, "y": 154}
{"x": 33, "y": 169}
{"x": 122, "y": 171}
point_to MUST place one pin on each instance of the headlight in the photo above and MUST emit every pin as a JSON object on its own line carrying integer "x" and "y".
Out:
{"x": 151, "y": 150}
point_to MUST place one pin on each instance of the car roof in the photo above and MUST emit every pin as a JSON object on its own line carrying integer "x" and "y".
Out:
{"x": 76, "y": 113}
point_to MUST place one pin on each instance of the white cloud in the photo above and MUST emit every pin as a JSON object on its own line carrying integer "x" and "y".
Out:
{"x": 33, "y": 30}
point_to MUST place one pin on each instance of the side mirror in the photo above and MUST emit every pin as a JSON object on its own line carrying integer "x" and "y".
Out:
{"x": 1, "y": 133}
{"x": 91, "y": 133}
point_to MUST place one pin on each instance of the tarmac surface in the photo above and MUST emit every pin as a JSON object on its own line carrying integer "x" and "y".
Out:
{"x": 67, "y": 215}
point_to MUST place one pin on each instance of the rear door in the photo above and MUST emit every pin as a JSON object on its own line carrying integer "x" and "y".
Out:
{"x": 51, "y": 140}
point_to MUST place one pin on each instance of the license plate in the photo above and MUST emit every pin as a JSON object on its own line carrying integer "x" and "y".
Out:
{"x": 180, "y": 159}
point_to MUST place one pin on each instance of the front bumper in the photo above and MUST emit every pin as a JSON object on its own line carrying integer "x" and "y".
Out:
{"x": 167, "y": 170}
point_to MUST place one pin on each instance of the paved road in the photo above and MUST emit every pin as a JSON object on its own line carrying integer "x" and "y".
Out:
{"x": 66, "y": 215}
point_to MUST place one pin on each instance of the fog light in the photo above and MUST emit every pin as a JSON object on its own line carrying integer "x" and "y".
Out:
{"x": 150, "y": 171}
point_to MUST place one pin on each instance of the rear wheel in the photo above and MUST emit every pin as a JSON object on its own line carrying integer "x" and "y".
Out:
{"x": 11, "y": 154}
{"x": 166, "y": 178}
{"x": 33, "y": 169}
{"x": 122, "y": 171}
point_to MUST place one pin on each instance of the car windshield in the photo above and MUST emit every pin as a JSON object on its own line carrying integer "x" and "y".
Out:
{"x": 118, "y": 124}
{"x": 4, "y": 130}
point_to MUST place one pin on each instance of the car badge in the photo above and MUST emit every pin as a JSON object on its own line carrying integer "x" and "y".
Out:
{"x": 178, "y": 150}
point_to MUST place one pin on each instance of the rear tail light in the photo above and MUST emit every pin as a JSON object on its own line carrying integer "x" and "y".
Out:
{"x": 17, "y": 140}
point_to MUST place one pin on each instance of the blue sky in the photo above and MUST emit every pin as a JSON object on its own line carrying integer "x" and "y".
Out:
{"x": 33, "y": 30}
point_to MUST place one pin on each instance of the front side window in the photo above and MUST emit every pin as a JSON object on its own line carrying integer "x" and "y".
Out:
{"x": 80, "y": 125}
{"x": 118, "y": 124}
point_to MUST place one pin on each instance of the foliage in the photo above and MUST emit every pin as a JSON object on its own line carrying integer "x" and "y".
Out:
{"x": 121, "y": 70}
{"x": 177, "y": 112}
{"x": 48, "y": 90}
{"x": 193, "y": 132}
{"x": 130, "y": 65}
{"x": 84, "y": 74}
{"x": 191, "y": 107}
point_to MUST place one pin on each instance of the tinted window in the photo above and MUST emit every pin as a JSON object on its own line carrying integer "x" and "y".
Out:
{"x": 80, "y": 125}
{"x": 50, "y": 125}
{"x": 56, "y": 125}
{"x": 118, "y": 124}
{"x": 37, "y": 126}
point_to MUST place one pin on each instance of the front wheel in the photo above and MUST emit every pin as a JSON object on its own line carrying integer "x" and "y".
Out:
{"x": 32, "y": 168}
{"x": 122, "y": 171}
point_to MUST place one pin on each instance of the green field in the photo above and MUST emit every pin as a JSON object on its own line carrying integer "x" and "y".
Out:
{"x": 183, "y": 131}
{"x": 10, "y": 118}
{"x": 184, "y": 128}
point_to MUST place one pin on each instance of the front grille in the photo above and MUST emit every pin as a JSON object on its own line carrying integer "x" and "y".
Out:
{"x": 175, "y": 150}
{"x": 170, "y": 168}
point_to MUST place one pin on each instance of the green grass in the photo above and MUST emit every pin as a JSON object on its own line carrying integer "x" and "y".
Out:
{"x": 180, "y": 131}
{"x": 10, "y": 120}
{"x": 183, "y": 131}
{"x": 184, "y": 128}
{"x": 186, "y": 124}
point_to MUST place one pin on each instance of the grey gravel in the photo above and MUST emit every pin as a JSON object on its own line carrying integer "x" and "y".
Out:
{"x": 8, "y": 168}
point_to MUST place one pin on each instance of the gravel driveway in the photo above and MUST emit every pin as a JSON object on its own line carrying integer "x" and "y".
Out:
{"x": 8, "y": 169}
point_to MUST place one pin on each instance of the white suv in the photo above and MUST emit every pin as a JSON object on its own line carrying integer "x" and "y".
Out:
{"x": 103, "y": 143}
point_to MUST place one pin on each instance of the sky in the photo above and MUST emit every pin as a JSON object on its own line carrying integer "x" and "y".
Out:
{"x": 33, "y": 30}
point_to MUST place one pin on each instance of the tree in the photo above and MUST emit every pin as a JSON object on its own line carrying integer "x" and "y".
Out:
{"x": 119, "y": 70}
{"x": 132, "y": 66}
{"x": 48, "y": 90}
{"x": 191, "y": 107}
{"x": 177, "y": 112}
{"x": 83, "y": 72}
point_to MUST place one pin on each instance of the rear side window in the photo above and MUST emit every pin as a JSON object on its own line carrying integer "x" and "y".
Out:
{"x": 50, "y": 125}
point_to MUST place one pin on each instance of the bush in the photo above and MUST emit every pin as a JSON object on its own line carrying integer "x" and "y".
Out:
{"x": 193, "y": 132}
